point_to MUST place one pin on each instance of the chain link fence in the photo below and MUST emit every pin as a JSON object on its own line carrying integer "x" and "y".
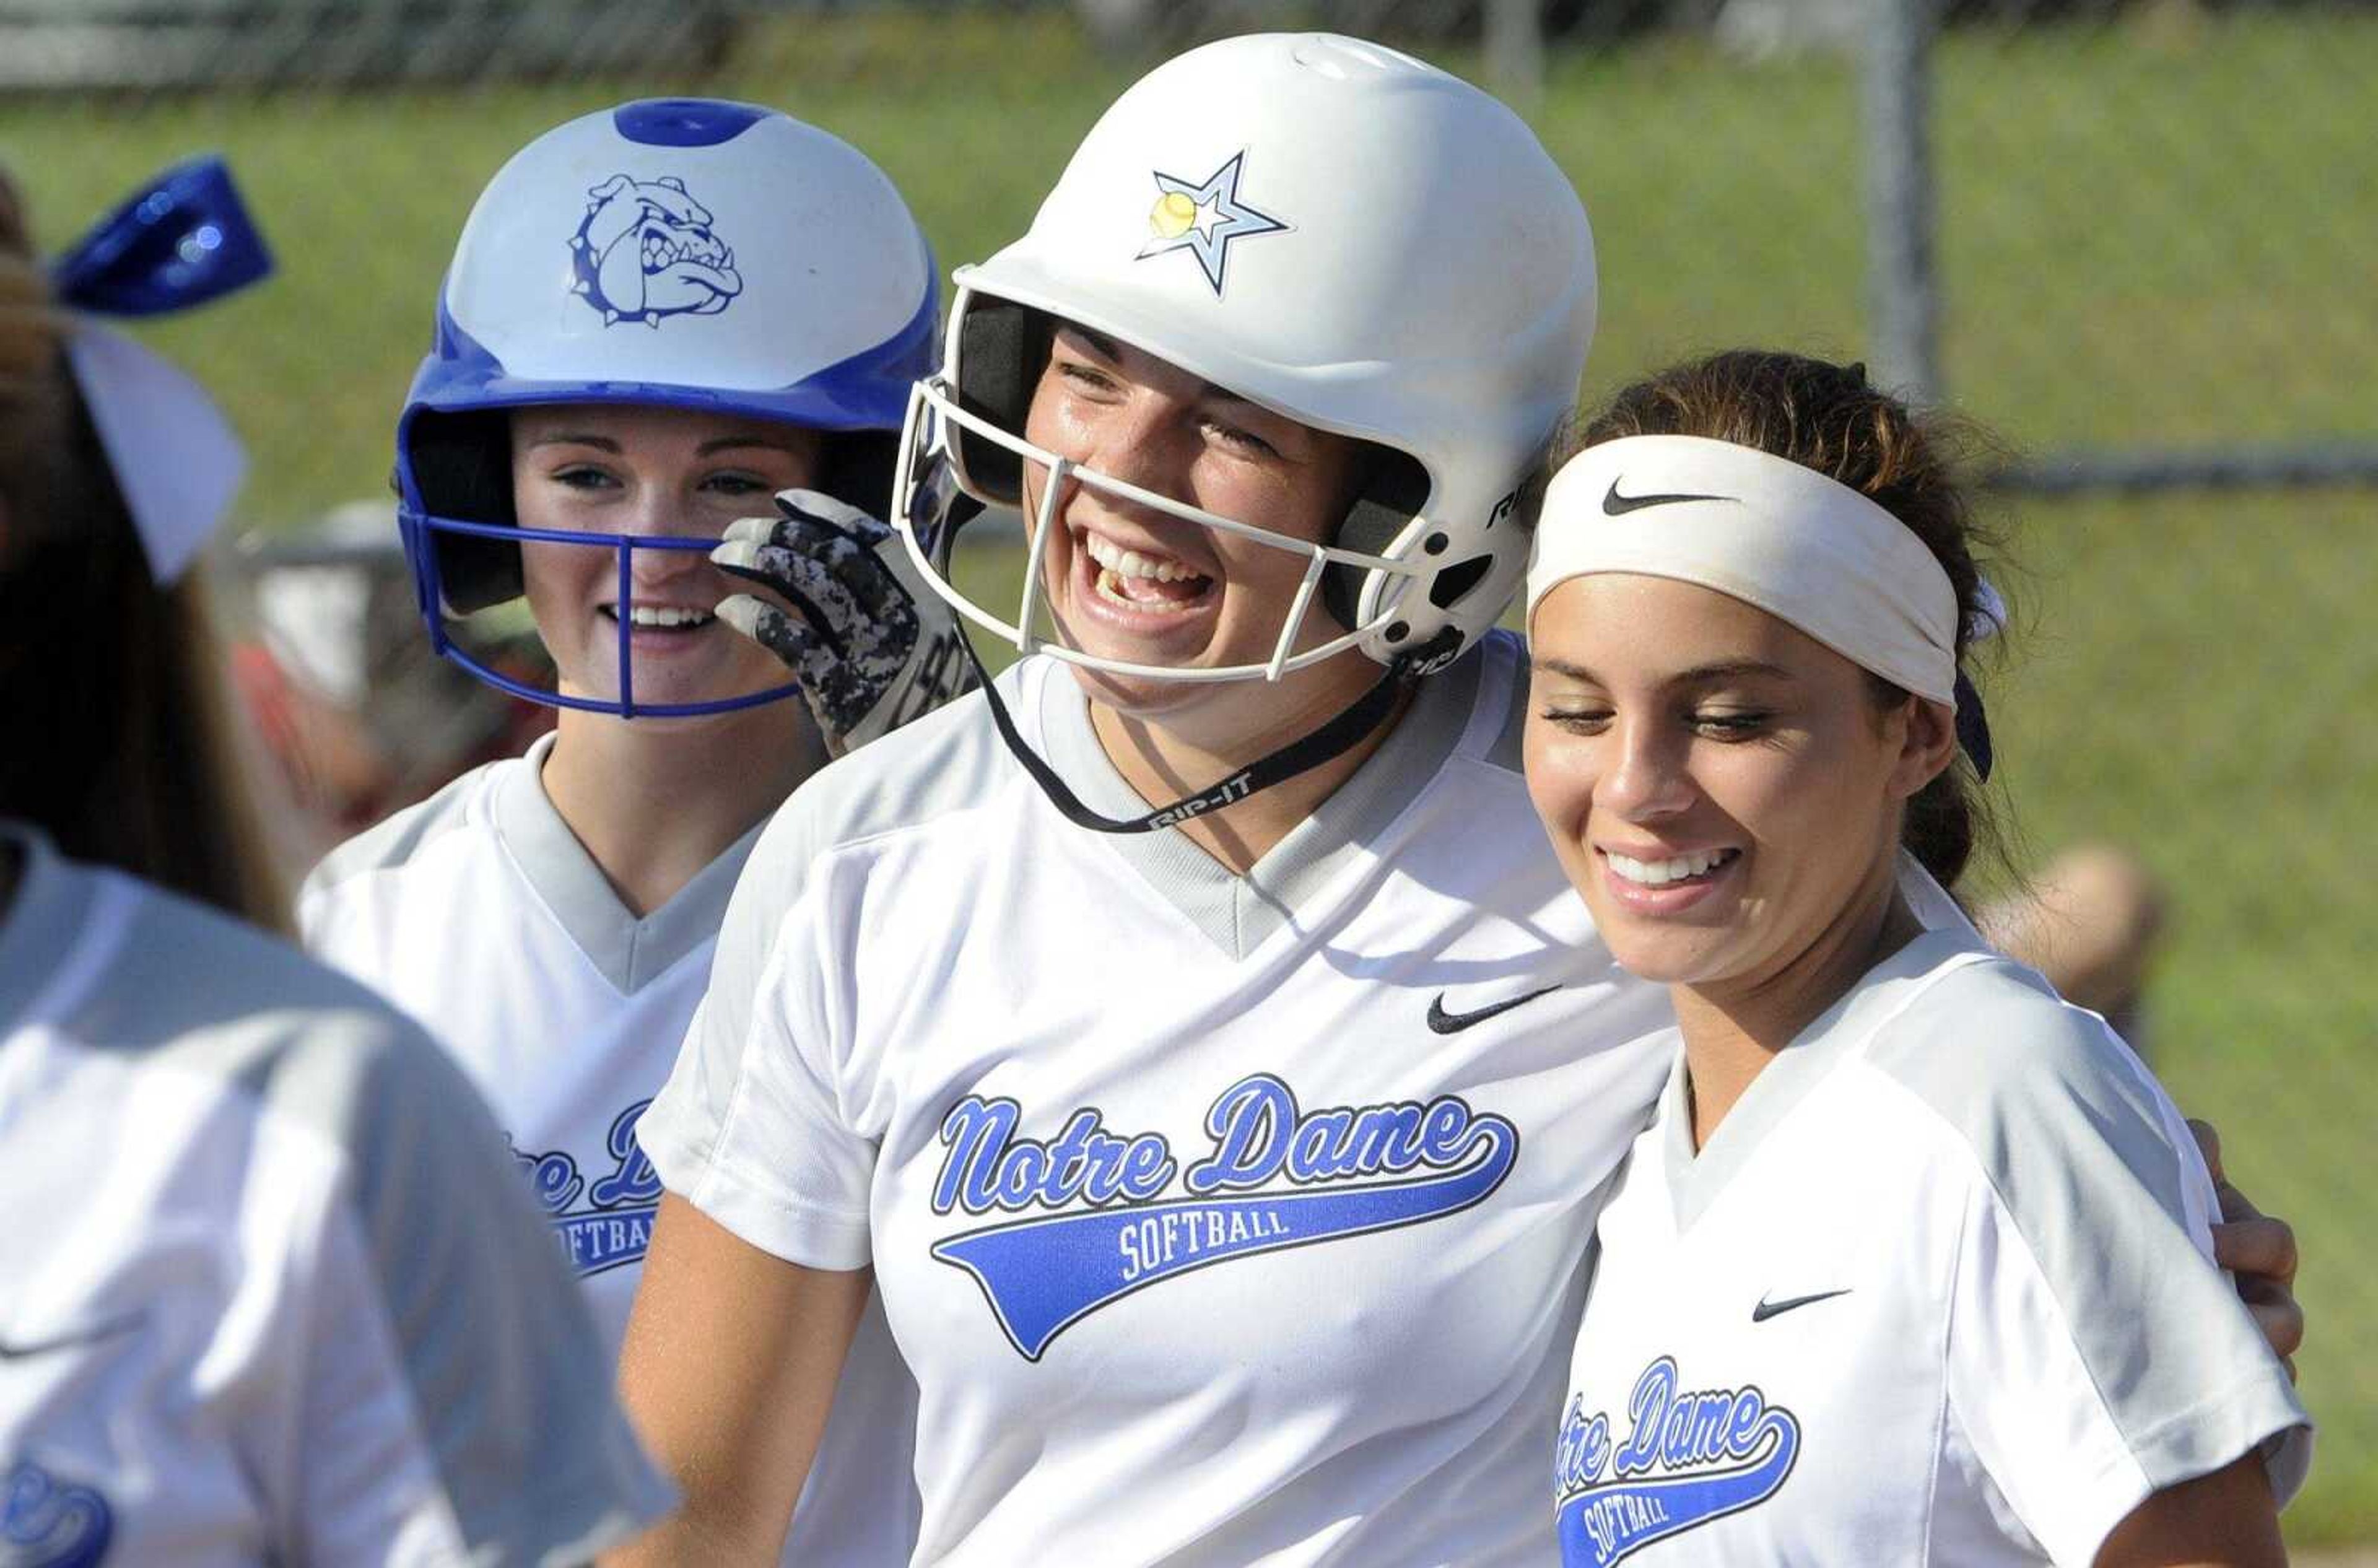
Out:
{"x": 2134, "y": 237}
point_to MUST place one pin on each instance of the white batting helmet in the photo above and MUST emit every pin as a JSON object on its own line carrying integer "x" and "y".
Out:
{"x": 1332, "y": 230}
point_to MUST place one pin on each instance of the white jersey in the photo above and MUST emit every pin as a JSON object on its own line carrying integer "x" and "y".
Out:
{"x": 267, "y": 1293}
{"x": 1224, "y": 1220}
{"x": 1938, "y": 1289}
{"x": 478, "y": 911}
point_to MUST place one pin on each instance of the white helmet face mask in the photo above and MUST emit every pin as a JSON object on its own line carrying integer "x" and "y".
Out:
{"x": 929, "y": 401}
{"x": 1331, "y": 230}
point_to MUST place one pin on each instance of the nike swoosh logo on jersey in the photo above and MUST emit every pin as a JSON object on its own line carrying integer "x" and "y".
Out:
{"x": 1617, "y": 504}
{"x": 1444, "y": 1023}
{"x": 11, "y": 1351}
{"x": 1766, "y": 1308}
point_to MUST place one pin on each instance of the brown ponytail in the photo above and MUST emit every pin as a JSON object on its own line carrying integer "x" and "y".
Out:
{"x": 122, "y": 744}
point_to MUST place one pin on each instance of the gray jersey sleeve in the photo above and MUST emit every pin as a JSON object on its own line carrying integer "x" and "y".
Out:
{"x": 512, "y": 1384}
{"x": 441, "y": 1325}
{"x": 2097, "y": 1355}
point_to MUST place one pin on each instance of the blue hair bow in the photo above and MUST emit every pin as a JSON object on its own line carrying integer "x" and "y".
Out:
{"x": 184, "y": 239}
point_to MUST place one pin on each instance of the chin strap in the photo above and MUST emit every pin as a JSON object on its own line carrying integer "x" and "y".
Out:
{"x": 1334, "y": 740}
{"x": 1341, "y": 735}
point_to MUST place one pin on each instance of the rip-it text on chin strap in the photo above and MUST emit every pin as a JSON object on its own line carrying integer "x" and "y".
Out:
{"x": 1351, "y": 724}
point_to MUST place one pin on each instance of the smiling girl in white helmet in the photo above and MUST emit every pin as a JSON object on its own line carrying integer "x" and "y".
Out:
{"x": 1191, "y": 1034}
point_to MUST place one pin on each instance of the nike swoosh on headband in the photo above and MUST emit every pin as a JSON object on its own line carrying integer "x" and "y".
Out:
{"x": 1617, "y": 504}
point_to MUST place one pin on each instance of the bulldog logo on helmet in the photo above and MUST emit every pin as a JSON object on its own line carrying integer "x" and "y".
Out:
{"x": 645, "y": 250}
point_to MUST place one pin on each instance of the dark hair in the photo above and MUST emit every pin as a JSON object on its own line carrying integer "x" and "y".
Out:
{"x": 122, "y": 744}
{"x": 1828, "y": 417}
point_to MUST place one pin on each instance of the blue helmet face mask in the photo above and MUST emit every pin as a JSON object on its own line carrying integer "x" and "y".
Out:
{"x": 685, "y": 254}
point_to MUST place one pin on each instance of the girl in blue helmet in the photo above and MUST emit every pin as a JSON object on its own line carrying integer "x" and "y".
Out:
{"x": 657, "y": 318}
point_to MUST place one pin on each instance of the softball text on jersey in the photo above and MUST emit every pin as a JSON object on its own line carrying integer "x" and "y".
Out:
{"x": 607, "y": 1221}
{"x": 1675, "y": 1457}
{"x": 1276, "y": 1176}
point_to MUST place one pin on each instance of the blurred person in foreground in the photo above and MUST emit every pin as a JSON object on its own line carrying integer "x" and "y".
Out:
{"x": 2092, "y": 919}
{"x": 268, "y": 1291}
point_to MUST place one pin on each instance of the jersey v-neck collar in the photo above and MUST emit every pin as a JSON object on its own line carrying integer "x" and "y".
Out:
{"x": 1694, "y": 1182}
{"x": 627, "y": 951}
{"x": 1239, "y": 913}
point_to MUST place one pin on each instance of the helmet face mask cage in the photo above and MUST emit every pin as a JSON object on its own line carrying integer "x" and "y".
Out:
{"x": 724, "y": 258}
{"x": 461, "y": 529}
{"x": 1384, "y": 575}
{"x": 1004, "y": 348}
{"x": 624, "y": 546}
{"x": 926, "y": 518}
{"x": 486, "y": 550}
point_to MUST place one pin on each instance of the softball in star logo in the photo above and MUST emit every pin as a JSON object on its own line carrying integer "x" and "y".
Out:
{"x": 1204, "y": 218}
{"x": 1173, "y": 215}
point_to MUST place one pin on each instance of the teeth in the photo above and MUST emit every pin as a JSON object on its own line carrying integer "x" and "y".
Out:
{"x": 1659, "y": 873}
{"x": 665, "y": 616}
{"x": 1111, "y": 590}
{"x": 1131, "y": 563}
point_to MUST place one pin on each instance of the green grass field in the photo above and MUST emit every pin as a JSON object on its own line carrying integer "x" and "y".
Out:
{"x": 2158, "y": 233}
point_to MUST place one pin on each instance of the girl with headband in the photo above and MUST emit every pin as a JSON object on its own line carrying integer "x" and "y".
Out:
{"x": 269, "y": 1291}
{"x": 1914, "y": 1262}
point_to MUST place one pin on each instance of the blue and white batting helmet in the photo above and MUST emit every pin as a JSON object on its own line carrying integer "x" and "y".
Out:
{"x": 679, "y": 253}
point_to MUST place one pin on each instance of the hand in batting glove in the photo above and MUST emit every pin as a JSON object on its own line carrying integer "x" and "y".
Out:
{"x": 873, "y": 646}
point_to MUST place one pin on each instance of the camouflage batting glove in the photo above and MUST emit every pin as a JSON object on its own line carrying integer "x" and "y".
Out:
{"x": 871, "y": 646}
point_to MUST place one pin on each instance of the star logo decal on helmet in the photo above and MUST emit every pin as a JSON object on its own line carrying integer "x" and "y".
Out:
{"x": 1204, "y": 217}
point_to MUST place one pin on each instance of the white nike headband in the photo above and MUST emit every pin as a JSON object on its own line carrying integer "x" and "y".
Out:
{"x": 1785, "y": 539}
